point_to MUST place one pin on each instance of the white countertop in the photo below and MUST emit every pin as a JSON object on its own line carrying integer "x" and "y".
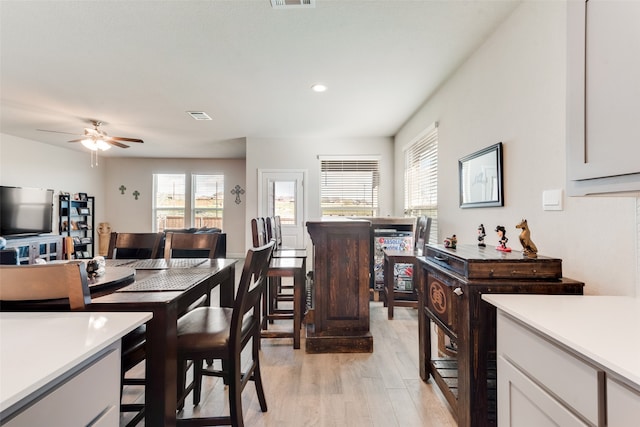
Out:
{"x": 36, "y": 348}
{"x": 604, "y": 329}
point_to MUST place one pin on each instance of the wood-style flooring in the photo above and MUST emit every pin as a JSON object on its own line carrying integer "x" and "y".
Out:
{"x": 382, "y": 388}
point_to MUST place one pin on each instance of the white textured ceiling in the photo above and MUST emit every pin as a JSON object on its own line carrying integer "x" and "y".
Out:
{"x": 140, "y": 65}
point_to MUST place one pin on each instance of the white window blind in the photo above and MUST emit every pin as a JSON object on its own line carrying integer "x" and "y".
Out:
{"x": 421, "y": 179}
{"x": 349, "y": 187}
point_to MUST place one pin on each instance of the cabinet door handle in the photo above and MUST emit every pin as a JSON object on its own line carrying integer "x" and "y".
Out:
{"x": 442, "y": 259}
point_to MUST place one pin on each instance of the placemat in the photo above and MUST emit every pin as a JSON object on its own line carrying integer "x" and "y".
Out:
{"x": 167, "y": 281}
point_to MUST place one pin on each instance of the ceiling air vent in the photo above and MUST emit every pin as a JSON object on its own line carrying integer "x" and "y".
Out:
{"x": 292, "y": 4}
{"x": 199, "y": 115}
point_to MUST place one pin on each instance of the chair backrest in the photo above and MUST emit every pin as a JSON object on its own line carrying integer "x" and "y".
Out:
{"x": 46, "y": 281}
{"x": 259, "y": 232}
{"x": 250, "y": 290}
{"x": 134, "y": 245}
{"x": 274, "y": 232}
{"x": 190, "y": 245}
{"x": 423, "y": 228}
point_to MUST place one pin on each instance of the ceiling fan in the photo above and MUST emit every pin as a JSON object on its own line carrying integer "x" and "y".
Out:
{"x": 97, "y": 139}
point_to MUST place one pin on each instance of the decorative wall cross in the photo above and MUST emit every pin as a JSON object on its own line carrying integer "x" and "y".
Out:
{"x": 237, "y": 191}
{"x": 122, "y": 188}
{"x": 136, "y": 194}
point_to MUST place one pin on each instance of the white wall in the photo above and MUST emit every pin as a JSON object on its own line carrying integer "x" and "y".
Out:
{"x": 513, "y": 90}
{"x": 302, "y": 153}
{"x": 26, "y": 163}
{"x": 126, "y": 214}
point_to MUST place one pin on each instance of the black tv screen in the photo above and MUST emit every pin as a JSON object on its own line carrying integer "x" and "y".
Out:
{"x": 25, "y": 211}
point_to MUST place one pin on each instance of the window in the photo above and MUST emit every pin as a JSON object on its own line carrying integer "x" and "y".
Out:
{"x": 169, "y": 198}
{"x": 349, "y": 186}
{"x": 421, "y": 179}
{"x": 172, "y": 208}
{"x": 208, "y": 200}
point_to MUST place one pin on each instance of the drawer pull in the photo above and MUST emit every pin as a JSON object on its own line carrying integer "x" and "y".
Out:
{"x": 457, "y": 291}
{"x": 442, "y": 259}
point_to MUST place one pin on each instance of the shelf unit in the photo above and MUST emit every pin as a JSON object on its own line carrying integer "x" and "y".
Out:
{"x": 77, "y": 220}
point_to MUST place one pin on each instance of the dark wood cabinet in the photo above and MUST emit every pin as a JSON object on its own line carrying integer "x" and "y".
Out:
{"x": 449, "y": 296}
{"x": 342, "y": 270}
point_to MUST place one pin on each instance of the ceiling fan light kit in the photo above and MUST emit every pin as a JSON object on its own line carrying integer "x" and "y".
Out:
{"x": 95, "y": 144}
{"x": 97, "y": 140}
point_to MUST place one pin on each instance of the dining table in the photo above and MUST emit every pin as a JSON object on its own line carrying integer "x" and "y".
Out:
{"x": 165, "y": 288}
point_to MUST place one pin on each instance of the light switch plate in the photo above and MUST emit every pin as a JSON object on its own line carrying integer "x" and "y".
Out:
{"x": 552, "y": 200}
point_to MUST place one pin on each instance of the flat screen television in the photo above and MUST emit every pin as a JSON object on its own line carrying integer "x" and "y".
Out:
{"x": 25, "y": 211}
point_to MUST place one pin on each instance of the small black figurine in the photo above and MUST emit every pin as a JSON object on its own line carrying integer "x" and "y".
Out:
{"x": 503, "y": 239}
{"x": 481, "y": 235}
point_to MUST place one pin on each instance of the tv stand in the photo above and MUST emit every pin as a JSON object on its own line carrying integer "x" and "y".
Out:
{"x": 30, "y": 248}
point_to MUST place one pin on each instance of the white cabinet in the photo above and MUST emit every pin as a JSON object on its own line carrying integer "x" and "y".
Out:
{"x": 623, "y": 404}
{"x": 567, "y": 360}
{"x": 62, "y": 368}
{"x": 528, "y": 403}
{"x": 90, "y": 397}
{"x": 603, "y": 96}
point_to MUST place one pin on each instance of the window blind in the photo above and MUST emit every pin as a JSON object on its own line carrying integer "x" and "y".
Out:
{"x": 421, "y": 179}
{"x": 349, "y": 187}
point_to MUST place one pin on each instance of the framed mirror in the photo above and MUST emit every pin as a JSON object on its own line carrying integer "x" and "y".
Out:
{"x": 480, "y": 177}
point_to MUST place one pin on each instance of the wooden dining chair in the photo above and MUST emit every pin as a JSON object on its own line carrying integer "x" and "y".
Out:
{"x": 258, "y": 232}
{"x": 191, "y": 245}
{"x": 222, "y": 333}
{"x": 47, "y": 281}
{"x": 134, "y": 245}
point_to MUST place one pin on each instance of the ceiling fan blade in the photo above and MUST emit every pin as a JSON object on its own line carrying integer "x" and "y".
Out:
{"x": 56, "y": 131}
{"x": 76, "y": 140}
{"x": 116, "y": 143}
{"x": 118, "y": 138}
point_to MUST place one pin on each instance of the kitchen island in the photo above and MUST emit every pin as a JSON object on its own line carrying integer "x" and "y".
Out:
{"x": 567, "y": 360}
{"x": 62, "y": 368}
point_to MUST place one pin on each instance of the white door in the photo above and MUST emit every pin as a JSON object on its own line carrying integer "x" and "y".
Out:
{"x": 281, "y": 192}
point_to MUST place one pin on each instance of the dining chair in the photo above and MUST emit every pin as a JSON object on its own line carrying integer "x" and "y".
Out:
{"x": 423, "y": 228}
{"x": 258, "y": 232}
{"x": 134, "y": 245}
{"x": 222, "y": 333}
{"x": 46, "y": 281}
{"x": 191, "y": 245}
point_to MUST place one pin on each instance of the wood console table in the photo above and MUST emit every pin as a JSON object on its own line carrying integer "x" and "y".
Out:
{"x": 451, "y": 284}
{"x": 342, "y": 268}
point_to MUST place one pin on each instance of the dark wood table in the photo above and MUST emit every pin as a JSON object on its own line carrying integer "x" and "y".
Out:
{"x": 166, "y": 291}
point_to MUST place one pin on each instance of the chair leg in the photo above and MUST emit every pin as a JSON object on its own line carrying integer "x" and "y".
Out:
{"x": 257, "y": 377}
{"x": 272, "y": 285}
{"x": 235, "y": 392}
{"x": 181, "y": 383}
{"x": 197, "y": 381}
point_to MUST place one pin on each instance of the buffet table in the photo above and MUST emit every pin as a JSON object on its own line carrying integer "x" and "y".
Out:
{"x": 50, "y": 363}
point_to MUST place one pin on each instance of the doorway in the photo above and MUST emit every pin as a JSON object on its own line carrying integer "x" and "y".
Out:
{"x": 281, "y": 192}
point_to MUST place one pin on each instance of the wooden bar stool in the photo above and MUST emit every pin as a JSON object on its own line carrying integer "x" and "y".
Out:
{"x": 278, "y": 268}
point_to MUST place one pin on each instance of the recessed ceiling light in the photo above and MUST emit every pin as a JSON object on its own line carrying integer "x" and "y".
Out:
{"x": 319, "y": 87}
{"x": 199, "y": 115}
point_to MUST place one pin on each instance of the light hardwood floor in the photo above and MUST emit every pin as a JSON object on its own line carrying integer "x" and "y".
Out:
{"x": 378, "y": 389}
